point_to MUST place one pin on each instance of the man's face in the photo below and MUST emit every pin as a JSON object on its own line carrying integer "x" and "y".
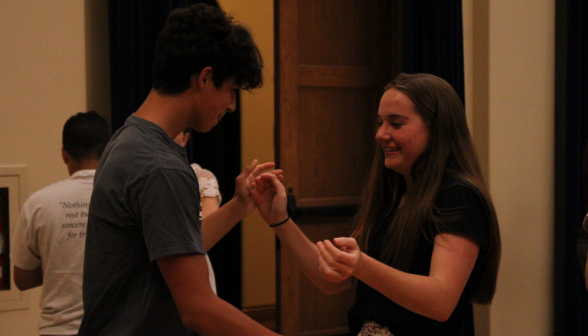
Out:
{"x": 214, "y": 103}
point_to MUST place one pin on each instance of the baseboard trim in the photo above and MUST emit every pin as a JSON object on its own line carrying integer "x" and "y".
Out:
{"x": 264, "y": 315}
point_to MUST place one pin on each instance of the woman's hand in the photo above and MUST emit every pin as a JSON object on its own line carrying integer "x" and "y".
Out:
{"x": 339, "y": 260}
{"x": 244, "y": 184}
{"x": 269, "y": 196}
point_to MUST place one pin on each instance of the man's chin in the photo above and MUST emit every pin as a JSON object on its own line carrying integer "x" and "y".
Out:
{"x": 204, "y": 129}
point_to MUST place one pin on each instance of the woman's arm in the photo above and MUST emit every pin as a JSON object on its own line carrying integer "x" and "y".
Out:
{"x": 218, "y": 223}
{"x": 209, "y": 205}
{"x": 270, "y": 198}
{"x": 306, "y": 256}
{"x": 434, "y": 296}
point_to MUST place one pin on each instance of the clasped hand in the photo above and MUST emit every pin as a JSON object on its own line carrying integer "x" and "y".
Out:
{"x": 245, "y": 189}
{"x": 270, "y": 198}
{"x": 340, "y": 259}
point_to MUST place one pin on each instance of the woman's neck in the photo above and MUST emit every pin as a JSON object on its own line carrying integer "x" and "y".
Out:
{"x": 408, "y": 182}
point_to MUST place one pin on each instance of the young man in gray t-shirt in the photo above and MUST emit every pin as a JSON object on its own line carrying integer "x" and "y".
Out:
{"x": 145, "y": 272}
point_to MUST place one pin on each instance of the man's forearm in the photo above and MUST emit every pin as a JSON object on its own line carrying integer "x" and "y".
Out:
{"x": 217, "y": 317}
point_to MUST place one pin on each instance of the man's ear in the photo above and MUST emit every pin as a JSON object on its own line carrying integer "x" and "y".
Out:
{"x": 204, "y": 78}
{"x": 65, "y": 156}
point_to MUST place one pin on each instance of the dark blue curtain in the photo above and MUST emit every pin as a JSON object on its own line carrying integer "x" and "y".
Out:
{"x": 575, "y": 296}
{"x": 433, "y": 43}
{"x": 133, "y": 29}
{"x": 433, "y": 40}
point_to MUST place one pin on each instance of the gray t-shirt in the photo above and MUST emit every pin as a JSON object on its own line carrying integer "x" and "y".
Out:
{"x": 145, "y": 205}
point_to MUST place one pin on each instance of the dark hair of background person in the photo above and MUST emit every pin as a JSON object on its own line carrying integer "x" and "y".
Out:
{"x": 200, "y": 36}
{"x": 85, "y": 136}
{"x": 450, "y": 153}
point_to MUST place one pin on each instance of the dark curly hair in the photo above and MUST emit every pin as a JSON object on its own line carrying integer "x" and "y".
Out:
{"x": 85, "y": 135}
{"x": 200, "y": 36}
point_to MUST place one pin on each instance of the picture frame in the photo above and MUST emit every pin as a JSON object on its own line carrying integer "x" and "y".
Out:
{"x": 13, "y": 194}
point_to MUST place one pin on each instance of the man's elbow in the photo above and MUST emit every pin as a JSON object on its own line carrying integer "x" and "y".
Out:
{"x": 199, "y": 321}
{"x": 23, "y": 285}
{"x": 190, "y": 321}
{"x": 198, "y": 318}
{"x": 25, "y": 280}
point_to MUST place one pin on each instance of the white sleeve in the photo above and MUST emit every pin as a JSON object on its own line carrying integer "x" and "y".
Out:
{"x": 207, "y": 182}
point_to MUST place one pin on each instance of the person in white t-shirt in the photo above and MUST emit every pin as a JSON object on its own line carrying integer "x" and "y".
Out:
{"x": 210, "y": 196}
{"x": 49, "y": 239}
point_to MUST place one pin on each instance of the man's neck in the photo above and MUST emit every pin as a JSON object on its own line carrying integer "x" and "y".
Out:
{"x": 74, "y": 166}
{"x": 166, "y": 111}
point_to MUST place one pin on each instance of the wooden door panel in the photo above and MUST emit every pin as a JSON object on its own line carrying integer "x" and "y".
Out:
{"x": 332, "y": 59}
{"x": 333, "y": 32}
{"x": 320, "y": 314}
{"x": 340, "y": 76}
{"x": 335, "y": 143}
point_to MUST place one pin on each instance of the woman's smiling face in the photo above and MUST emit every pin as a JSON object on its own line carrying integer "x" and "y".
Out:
{"x": 402, "y": 134}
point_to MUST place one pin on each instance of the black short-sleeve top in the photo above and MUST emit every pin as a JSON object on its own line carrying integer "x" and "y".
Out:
{"x": 472, "y": 221}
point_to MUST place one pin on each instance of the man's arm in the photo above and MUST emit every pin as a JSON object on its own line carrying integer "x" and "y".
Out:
{"x": 28, "y": 279}
{"x": 186, "y": 276}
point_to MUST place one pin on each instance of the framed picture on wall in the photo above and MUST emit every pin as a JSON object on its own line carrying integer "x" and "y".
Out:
{"x": 13, "y": 194}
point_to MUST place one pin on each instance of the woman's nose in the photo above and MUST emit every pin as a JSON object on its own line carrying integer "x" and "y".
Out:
{"x": 382, "y": 133}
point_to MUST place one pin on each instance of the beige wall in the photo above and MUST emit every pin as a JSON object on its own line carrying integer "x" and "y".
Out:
{"x": 42, "y": 83}
{"x": 521, "y": 146}
{"x": 512, "y": 64}
{"x": 45, "y": 77}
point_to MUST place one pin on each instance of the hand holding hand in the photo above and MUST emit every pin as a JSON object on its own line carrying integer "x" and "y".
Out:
{"x": 270, "y": 198}
{"x": 339, "y": 260}
{"x": 244, "y": 183}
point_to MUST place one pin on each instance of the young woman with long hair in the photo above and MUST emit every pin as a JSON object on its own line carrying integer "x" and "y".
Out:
{"x": 427, "y": 242}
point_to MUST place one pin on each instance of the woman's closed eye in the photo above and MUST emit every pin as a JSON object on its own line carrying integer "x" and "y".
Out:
{"x": 379, "y": 122}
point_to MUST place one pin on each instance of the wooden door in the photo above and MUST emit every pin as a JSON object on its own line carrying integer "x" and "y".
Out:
{"x": 333, "y": 58}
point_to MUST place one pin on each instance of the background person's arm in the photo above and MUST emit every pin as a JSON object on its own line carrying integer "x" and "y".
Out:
{"x": 28, "y": 279}
{"x": 209, "y": 205}
{"x": 217, "y": 224}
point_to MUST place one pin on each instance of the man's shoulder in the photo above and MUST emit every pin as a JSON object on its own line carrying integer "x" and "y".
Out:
{"x": 64, "y": 186}
{"x": 70, "y": 190}
{"x": 140, "y": 142}
{"x": 135, "y": 154}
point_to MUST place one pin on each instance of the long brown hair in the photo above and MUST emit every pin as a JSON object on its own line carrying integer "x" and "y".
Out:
{"x": 450, "y": 153}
